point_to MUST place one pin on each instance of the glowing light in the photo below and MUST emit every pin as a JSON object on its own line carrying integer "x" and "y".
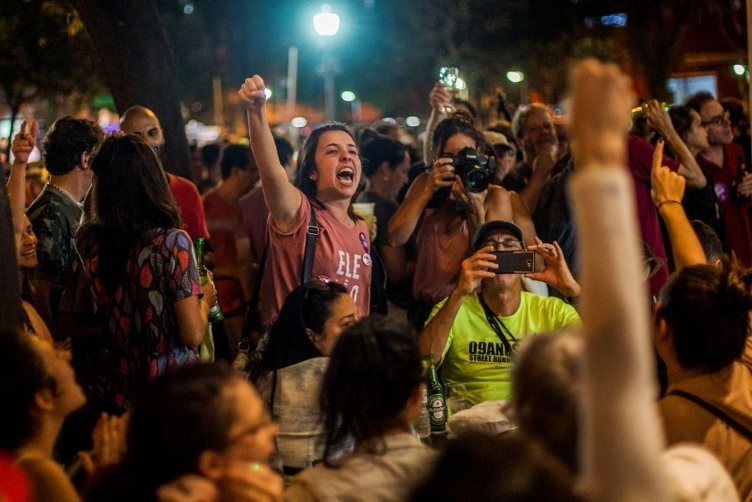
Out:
{"x": 298, "y": 122}
{"x": 268, "y": 93}
{"x": 348, "y": 96}
{"x": 460, "y": 84}
{"x": 412, "y": 121}
{"x": 515, "y": 76}
{"x": 326, "y": 22}
{"x": 619, "y": 19}
{"x": 740, "y": 69}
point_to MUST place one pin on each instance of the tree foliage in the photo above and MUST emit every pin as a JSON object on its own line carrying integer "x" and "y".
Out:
{"x": 44, "y": 52}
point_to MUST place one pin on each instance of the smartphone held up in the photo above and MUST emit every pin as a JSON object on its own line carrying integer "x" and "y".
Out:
{"x": 514, "y": 262}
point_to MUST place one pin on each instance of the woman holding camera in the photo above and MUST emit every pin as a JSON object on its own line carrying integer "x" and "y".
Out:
{"x": 446, "y": 213}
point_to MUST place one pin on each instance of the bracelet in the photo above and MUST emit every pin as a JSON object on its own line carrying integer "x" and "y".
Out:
{"x": 658, "y": 206}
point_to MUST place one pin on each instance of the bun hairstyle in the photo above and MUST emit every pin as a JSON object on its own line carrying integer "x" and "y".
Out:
{"x": 707, "y": 310}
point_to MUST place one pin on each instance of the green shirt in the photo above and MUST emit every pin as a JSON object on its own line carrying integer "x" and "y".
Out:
{"x": 475, "y": 356}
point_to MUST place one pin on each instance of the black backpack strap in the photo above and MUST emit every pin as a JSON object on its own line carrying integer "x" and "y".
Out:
{"x": 720, "y": 415}
{"x": 312, "y": 231}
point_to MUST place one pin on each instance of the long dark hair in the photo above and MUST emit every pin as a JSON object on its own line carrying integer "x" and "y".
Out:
{"x": 373, "y": 370}
{"x": 307, "y": 307}
{"x": 131, "y": 195}
{"x": 707, "y": 310}
{"x": 455, "y": 125}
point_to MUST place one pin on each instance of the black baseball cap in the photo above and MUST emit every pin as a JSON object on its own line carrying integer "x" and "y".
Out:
{"x": 493, "y": 225}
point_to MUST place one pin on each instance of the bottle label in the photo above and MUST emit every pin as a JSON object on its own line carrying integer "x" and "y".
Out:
{"x": 436, "y": 408}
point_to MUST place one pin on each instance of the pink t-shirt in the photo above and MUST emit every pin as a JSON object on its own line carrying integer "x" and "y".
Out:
{"x": 342, "y": 254}
{"x": 440, "y": 253}
{"x": 189, "y": 202}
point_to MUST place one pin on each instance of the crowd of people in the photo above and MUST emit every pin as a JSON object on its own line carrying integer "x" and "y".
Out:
{"x": 587, "y": 278}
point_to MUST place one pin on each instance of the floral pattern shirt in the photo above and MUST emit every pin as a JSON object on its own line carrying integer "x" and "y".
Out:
{"x": 140, "y": 315}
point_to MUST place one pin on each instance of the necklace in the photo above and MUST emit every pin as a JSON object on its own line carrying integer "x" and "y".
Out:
{"x": 63, "y": 191}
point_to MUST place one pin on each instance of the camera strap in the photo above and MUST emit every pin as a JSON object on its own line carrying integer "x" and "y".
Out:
{"x": 498, "y": 326}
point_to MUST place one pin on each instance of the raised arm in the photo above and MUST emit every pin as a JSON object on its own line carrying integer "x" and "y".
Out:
{"x": 621, "y": 440}
{"x": 668, "y": 190}
{"x": 405, "y": 218}
{"x": 440, "y": 97}
{"x": 434, "y": 336}
{"x": 22, "y": 146}
{"x": 282, "y": 198}
{"x": 659, "y": 119}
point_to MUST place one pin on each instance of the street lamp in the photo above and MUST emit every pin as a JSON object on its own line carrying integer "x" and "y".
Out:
{"x": 326, "y": 24}
{"x": 517, "y": 77}
{"x": 350, "y": 97}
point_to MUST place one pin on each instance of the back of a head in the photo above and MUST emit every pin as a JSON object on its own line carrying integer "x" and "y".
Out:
{"x": 65, "y": 142}
{"x": 545, "y": 391}
{"x": 377, "y": 150}
{"x": 238, "y": 156}
{"x": 131, "y": 190}
{"x": 485, "y": 468}
{"x": 709, "y": 241}
{"x": 210, "y": 154}
{"x": 22, "y": 375}
{"x": 707, "y": 312}
{"x": 374, "y": 369}
{"x": 175, "y": 418}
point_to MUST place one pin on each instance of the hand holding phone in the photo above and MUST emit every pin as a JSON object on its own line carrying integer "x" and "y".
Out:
{"x": 514, "y": 262}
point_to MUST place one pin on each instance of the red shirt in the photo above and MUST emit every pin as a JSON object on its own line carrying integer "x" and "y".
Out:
{"x": 189, "y": 202}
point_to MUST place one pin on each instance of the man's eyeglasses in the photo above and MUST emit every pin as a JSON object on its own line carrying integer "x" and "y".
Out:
{"x": 506, "y": 244}
{"x": 717, "y": 120}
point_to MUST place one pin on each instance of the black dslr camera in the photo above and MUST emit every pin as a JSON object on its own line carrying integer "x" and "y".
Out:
{"x": 476, "y": 171}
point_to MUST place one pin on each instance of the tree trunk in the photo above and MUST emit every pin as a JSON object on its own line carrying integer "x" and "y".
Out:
{"x": 138, "y": 64}
{"x": 10, "y": 294}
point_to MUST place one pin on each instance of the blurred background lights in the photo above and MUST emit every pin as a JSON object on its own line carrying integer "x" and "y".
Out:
{"x": 515, "y": 76}
{"x": 412, "y": 121}
{"x": 348, "y": 96}
{"x": 298, "y": 122}
{"x": 326, "y": 22}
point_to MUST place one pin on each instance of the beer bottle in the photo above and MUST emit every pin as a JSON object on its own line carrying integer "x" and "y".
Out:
{"x": 215, "y": 312}
{"x": 436, "y": 403}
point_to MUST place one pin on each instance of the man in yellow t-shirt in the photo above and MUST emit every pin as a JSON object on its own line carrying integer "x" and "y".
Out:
{"x": 473, "y": 332}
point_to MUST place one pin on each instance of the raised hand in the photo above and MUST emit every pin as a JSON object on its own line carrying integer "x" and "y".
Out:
{"x": 481, "y": 265}
{"x": 440, "y": 98}
{"x": 24, "y": 142}
{"x": 600, "y": 118}
{"x": 252, "y": 94}
{"x": 666, "y": 186}
{"x": 556, "y": 272}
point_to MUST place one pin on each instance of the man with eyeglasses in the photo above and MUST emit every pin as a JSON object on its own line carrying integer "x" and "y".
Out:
{"x": 723, "y": 162}
{"x": 143, "y": 122}
{"x": 473, "y": 333}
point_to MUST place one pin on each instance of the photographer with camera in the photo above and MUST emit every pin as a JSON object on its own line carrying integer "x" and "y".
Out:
{"x": 473, "y": 332}
{"x": 445, "y": 205}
